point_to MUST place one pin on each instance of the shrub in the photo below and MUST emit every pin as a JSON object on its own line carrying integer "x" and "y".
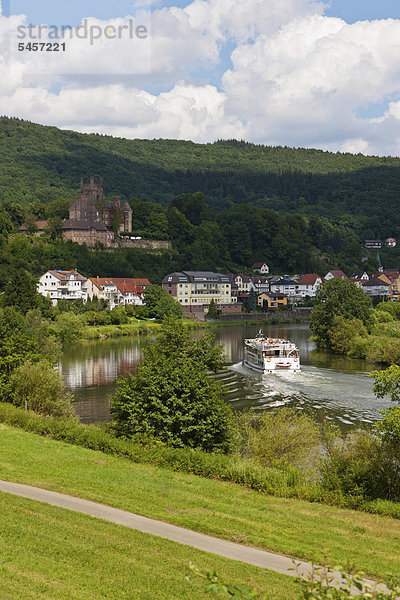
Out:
{"x": 360, "y": 465}
{"x": 383, "y": 316}
{"x": 68, "y": 327}
{"x": 343, "y": 332}
{"x": 287, "y": 436}
{"x": 42, "y": 388}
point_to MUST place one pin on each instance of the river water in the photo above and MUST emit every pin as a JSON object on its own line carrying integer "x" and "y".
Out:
{"x": 336, "y": 386}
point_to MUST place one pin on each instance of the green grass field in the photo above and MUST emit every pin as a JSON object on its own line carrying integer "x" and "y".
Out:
{"x": 294, "y": 527}
{"x": 53, "y": 554}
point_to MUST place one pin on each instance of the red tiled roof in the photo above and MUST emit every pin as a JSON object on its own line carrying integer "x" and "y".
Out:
{"x": 309, "y": 279}
{"x": 389, "y": 274}
{"x": 337, "y": 273}
{"x": 64, "y": 274}
{"x": 41, "y": 225}
{"x": 258, "y": 265}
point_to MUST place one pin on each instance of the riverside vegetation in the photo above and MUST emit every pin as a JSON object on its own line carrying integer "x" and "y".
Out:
{"x": 173, "y": 414}
{"x": 285, "y": 454}
{"x": 343, "y": 321}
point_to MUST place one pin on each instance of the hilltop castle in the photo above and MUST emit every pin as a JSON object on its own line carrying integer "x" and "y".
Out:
{"x": 93, "y": 221}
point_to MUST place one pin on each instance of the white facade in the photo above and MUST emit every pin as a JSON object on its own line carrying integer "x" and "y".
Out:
{"x": 308, "y": 286}
{"x": 115, "y": 293}
{"x": 62, "y": 285}
{"x": 262, "y": 268}
{"x": 288, "y": 287}
{"x": 243, "y": 283}
{"x": 199, "y": 288}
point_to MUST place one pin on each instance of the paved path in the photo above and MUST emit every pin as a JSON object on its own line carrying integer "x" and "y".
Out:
{"x": 252, "y": 556}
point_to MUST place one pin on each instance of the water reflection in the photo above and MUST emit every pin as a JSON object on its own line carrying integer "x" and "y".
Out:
{"x": 336, "y": 386}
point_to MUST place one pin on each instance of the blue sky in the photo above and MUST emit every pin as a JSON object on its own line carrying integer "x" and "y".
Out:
{"x": 67, "y": 12}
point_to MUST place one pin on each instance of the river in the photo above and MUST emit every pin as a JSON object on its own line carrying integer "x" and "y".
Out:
{"x": 334, "y": 385}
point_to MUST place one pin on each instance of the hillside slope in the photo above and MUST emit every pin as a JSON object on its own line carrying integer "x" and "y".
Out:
{"x": 46, "y": 163}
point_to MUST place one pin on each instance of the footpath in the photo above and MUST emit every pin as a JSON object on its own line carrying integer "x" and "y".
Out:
{"x": 253, "y": 556}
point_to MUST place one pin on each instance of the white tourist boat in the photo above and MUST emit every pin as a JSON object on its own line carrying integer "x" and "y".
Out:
{"x": 266, "y": 355}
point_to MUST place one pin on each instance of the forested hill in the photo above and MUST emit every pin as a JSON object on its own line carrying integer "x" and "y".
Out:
{"x": 46, "y": 163}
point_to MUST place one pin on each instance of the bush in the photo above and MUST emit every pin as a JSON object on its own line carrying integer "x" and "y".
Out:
{"x": 42, "y": 388}
{"x": 288, "y": 436}
{"x": 343, "y": 332}
{"x": 360, "y": 465}
{"x": 68, "y": 327}
{"x": 384, "y": 316}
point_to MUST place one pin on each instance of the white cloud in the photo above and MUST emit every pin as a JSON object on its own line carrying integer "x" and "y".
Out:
{"x": 305, "y": 83}
{"x": 186, "y": 112}
{"x": 297, "y": 77}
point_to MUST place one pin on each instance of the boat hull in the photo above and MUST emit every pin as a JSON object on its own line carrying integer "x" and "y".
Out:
{"x": 272, "y": 366}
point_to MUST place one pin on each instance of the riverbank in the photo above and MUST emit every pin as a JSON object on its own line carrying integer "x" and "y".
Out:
{"x": 273, "y": 319}
{"x": 133, "y": 328}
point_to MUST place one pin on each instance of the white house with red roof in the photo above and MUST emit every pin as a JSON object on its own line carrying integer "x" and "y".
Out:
{"x": 335, "y": 275}
{"x": 308, "y": 285}
{"x": 260, "y": 267}
{"x": 117, "y": 291}
{"x": 63, "y": 285}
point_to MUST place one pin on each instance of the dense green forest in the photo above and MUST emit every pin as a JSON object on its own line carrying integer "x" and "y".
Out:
{"x": 223, "y": 205}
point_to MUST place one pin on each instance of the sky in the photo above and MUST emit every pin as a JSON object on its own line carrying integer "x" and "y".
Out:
{"x": 302, "y": 73}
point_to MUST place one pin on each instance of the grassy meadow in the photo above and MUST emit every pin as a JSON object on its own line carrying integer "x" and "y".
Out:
{"x": 298, "y": 528}
{"x": 51, "y": 553}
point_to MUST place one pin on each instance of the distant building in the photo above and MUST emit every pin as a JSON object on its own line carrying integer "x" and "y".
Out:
{"x": 392, "y": 277}
{"x": 262, "y": 268}
{"x": 260, "y": 284}
{"x": 92, "y": 221}
{"x": 335, "y": 275}
{"x": 363, "y": 276}
{"x": 195, "y": 290}
{"x": 40, "y": 228}
{"x": 308, "y": 285}
{"x": 284, "y": 285}
{"x": 117, "y": 291}
{"x": 239, "y": 282}
{"x": 376, "y": 287}
{"x": 268, "y": 300}
{"x": 63, "y": 285}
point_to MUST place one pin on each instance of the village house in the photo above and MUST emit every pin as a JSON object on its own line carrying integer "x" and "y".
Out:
{"x": 392, "y": 277}
{"x": 284, "y": 285}
{"x": 308, "y": 285}
{"x": 92, "y": 221}
{"x": 260, "y": 284}
{"x": 63, "y": 285}
{"x": 335, "y": 275}
{"x": 117, "y": 291}
{"x": 39, "y": 228}
{"x": 269, "y": 300}
{"x": 196, "y": 289}
{"x": 376, "y": 287}
{"x": 262, "y": 268}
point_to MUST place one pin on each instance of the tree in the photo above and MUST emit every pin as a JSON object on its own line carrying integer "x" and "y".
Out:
{"x": 387, "y": 383}
{"x": 160, "y": 304}
{"x": 69, "y": 327}
{"x": 42, "y": 388}
{"x": 212, "y": 310}
{"x": 252, "y": 301}
{"x": 337, "y": 297}
{"x": 172, "y": 398}
{"x": 21, "y": 291}
{"x": 343, "y": 333}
